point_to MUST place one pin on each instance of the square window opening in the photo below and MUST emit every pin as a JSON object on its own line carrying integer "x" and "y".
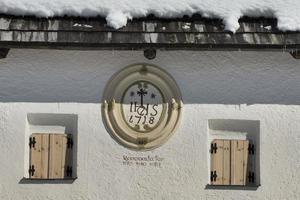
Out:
{"x": 50, "y": 149}
{"x": 233, "y": 153}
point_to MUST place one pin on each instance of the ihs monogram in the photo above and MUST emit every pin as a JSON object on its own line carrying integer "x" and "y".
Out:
{"x": 144, "y": 111}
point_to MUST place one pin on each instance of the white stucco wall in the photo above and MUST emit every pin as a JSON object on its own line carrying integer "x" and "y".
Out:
{"x": 259, "y": 86}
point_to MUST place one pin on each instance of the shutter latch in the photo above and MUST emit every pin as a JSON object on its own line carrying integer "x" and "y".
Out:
{"x": 251, "y": 177}
{"x": 213, "y": 148}
{"x": 31, "y": 170}
{"x": 251, "y": 149}
{"x": 69, "y": 171}
{"x": 32, "y": 142}
{"x": 213, "y": 176}
{"x": 70, "y": 142}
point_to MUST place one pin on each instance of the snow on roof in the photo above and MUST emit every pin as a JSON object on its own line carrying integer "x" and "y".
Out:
{"x": 117, "y": 12}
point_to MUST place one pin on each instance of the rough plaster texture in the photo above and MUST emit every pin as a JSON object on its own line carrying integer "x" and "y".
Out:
{"x": 257, "y": 86}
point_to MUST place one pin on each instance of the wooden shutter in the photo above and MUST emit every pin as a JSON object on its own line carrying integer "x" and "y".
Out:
{"x": 239, "y": 161}
{"x": 232, "y": 162}
{"x": 60, "y": 161}
{"x": 220, "y": 162}
{"x": 39, "y": 156}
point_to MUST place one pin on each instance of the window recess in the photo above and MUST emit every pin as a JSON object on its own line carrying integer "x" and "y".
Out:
{"x": 232, "y": 163}
{"x": 50, "y": 156}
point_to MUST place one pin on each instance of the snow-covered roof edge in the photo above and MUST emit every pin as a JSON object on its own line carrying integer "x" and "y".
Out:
{"x": 117, "y": 13}
{"x": 185, "y": 34}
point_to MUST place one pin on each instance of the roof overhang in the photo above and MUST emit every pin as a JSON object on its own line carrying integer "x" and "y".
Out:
{"x": 194, "y": 33}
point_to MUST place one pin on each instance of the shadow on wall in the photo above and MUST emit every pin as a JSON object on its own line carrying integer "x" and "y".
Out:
{"x": 203, "y": 77}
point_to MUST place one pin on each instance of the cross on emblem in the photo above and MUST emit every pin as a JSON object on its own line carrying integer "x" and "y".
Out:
{"x": 142, "y": 92}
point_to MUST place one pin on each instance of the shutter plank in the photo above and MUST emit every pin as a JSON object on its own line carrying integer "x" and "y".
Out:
{"x": 245, "y": 161}
{"x": 63, "y": 155}
{"x": 57, "y": 156}
{"x": 220, "y": 162}
{"x": 238, "y": 163}
{"x": 226, "y": 163}
{"x": 45, "y": 156}
{"x": 39, "y": 156}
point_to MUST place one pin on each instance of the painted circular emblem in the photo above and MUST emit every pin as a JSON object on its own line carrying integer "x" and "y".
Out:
{"x": 141, "y": 106}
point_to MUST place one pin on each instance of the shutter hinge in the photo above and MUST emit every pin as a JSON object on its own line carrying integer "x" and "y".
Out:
{"x": 251, "y": 149}
{"x": 213, "y": 148}
{"x": 213, "y": 176}
{"x": 69, "y": 171}
{"x": 31, "y": 170}
{"x": 32, "y": 142}
{"x": 251, "y": 177}
{"x": 70, "y": 143}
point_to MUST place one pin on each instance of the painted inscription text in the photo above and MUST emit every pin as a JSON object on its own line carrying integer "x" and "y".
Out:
{"x": 143, "y": 161}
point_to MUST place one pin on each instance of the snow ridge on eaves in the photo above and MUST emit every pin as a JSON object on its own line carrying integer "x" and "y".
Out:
{"x": 117, "y": 12}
